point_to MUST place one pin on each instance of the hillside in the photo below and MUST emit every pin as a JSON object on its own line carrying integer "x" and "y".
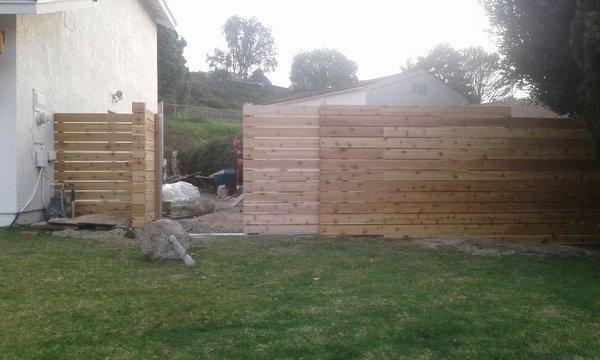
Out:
{"x": 205, "y": 90}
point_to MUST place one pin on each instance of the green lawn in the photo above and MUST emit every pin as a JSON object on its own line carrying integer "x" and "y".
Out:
{"x": 307, "y": 298}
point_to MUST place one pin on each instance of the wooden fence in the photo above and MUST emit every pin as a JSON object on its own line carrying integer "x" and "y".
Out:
{"x": 419, "y": 172}
{"x": 111, "y": 160}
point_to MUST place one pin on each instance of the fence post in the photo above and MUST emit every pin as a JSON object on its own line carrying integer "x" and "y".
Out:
{"x": 138, "y": 166}
{"x": 159, "y": 154}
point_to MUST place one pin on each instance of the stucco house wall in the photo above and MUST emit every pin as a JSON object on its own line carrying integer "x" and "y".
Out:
{"x": 77, "y": 60}
{"x": 354, "y": 97}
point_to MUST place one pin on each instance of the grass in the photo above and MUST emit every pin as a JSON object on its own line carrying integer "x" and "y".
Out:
{"x": 309, "y": 298}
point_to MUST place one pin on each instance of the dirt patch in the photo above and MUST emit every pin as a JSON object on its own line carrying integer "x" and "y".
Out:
{"x": 118, "y": 236}
{"x": 482, "y": 247}
{"x": 226, "y": 219}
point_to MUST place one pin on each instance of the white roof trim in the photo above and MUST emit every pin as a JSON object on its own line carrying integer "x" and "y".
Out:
{"x": 158, "y": 9}
{"x": 312, "y": 97}
{"x": 41, "y": 6}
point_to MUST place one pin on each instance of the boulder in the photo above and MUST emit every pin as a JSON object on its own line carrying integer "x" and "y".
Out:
{"x": 194, "y": 208}
{"x": 179, "y": 191}
{"x": 156, "y": 243}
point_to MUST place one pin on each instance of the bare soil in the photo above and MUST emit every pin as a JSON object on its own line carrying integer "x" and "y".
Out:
{"x": 484, "y": 247}
{"x": 225, "y": 219}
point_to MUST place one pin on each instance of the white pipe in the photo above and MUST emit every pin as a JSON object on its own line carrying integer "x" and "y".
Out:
{"x": 37, "y": 185}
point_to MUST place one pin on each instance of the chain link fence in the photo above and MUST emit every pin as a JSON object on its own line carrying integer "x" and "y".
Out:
{"x": 189, "y": 112}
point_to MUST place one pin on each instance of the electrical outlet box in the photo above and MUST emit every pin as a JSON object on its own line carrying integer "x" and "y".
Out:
{"x": 41, "y": 158}
{"x": 52, "y": 156}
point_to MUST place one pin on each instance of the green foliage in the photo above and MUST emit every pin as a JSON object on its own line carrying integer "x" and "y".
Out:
{"x": 212, "y": 91}
{"x": 172, "y": 71}
{"x": 321, "y": 69}
{"x": 292, "y": 298}
{"x": 215, "y": 155}
{"x": 472, "y": 71}
{"x": 202, "y": 145}
{"x": 250, "y": 46}
{"x": 554, "y": 47}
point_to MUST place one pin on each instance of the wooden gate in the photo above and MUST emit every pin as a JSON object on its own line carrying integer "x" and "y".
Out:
{"x": 112, "y": 161}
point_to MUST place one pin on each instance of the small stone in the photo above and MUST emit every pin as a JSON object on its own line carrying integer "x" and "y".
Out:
{"x": 222, "y": 192}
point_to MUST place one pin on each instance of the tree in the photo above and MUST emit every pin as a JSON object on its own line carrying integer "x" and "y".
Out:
{"x": 173, "y": 73}
{"x": 554, "y": 47}
{"x": 250, "y": 46}
{"x": 322, "y": 68}
{"x": 472, "y": 71}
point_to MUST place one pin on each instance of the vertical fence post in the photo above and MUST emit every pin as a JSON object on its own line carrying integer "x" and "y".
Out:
{"x": 159, "y": 154}
{"x": 138, "y": 166}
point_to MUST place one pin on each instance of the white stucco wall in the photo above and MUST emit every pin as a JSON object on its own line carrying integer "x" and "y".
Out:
{"x": 400, "y": 94}
{"x": 78, "y": 59}
{"x": 8, "y": 114}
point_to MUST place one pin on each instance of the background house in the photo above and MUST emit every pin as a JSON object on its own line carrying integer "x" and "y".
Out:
{"x": 67, "y": 56}
{"x": 410, "y": 88}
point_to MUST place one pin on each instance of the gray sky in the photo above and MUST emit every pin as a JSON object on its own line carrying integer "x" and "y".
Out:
{"x": 379, "y": 35}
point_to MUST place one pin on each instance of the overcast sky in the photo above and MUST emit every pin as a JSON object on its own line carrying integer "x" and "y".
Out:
{"x": 379, "y": 35}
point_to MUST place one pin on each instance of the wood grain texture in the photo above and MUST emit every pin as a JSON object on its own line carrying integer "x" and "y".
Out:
{"x": 418, "y": 171}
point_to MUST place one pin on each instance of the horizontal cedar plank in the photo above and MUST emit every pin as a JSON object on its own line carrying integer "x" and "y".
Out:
{"x": 281, "y": 154}
{"x": 347, "y": 131}
{"x": 281, "y": 219}
{"x": 347, "y": 175}
{"x": 275, "y": 110}
{"x": 93, "y": 137}
{"x": 281, "y": 164}
{"x": 256, "y": 197}
{"x": 106, "y": 185}
{"x": 281, "y": 175}
{"x": 465, "y": 185}
{"x": 103, "y": 195}
{"x": 484, "y": 154}
{"x": 280, "y": 121}
{"x": 94, "y": 156}
{"x": 587, "y": 228}
{"x": 444, "y": 143}
{"x": 282, "y": 229}
{"x": 272, "y": 186}
{"x": 365, "y": 143}
{"x": 548, "y": 144}
{"x": 92, "y": 166}
{"x": 482, "y": 132}
{"x": 546, "y": 238}
{"x": 511, "y": 164}
{"x": 359, "y": 110}
{"x": 92, "y": 127}
{"x": 452, "y": 121}
{"x": 100, "y": 146}
{"x": 400, "y": 231}
{"x": 92, "y": 176}
{"x": 347, "y": 153}
{"x": 488, "y": 175}
{"x": 458, "y": 218}
{"x": 102, "y": 205}
{"x": 287, "y": 208}
{"x": 277, "y": 132}
{"x": 97, "y": 118}
{"x": 464, "y": 197}
{"x": 305, "y": 143}
{"x": 448, "y": 208}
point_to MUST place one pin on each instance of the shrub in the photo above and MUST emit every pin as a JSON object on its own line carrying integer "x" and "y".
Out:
{"x": 215, "y": 155}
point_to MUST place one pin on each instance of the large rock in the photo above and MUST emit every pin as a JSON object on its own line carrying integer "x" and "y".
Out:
{"x": 155, "y": 242}
{"x": 179, "y": 192}
{"x": 194, "y": 208}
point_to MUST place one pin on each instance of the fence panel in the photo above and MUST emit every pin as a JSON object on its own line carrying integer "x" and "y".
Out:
{"x": 110, "y": 161}
{"x": 281, "y": 170}
{"x": 420, "y": 172}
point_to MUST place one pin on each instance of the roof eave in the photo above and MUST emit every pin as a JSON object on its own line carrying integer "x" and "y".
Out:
{"x": 35, "y": 7}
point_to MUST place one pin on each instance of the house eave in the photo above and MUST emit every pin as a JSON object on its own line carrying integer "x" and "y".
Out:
{"x": 42, "y": 7}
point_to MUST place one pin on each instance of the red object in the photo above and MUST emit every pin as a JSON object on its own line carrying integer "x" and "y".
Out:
{"x": 239, "y": 161}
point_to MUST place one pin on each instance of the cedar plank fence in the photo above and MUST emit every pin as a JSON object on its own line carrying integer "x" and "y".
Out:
{"x": 112, "y": 161}
{"x": 418, "y": 172}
